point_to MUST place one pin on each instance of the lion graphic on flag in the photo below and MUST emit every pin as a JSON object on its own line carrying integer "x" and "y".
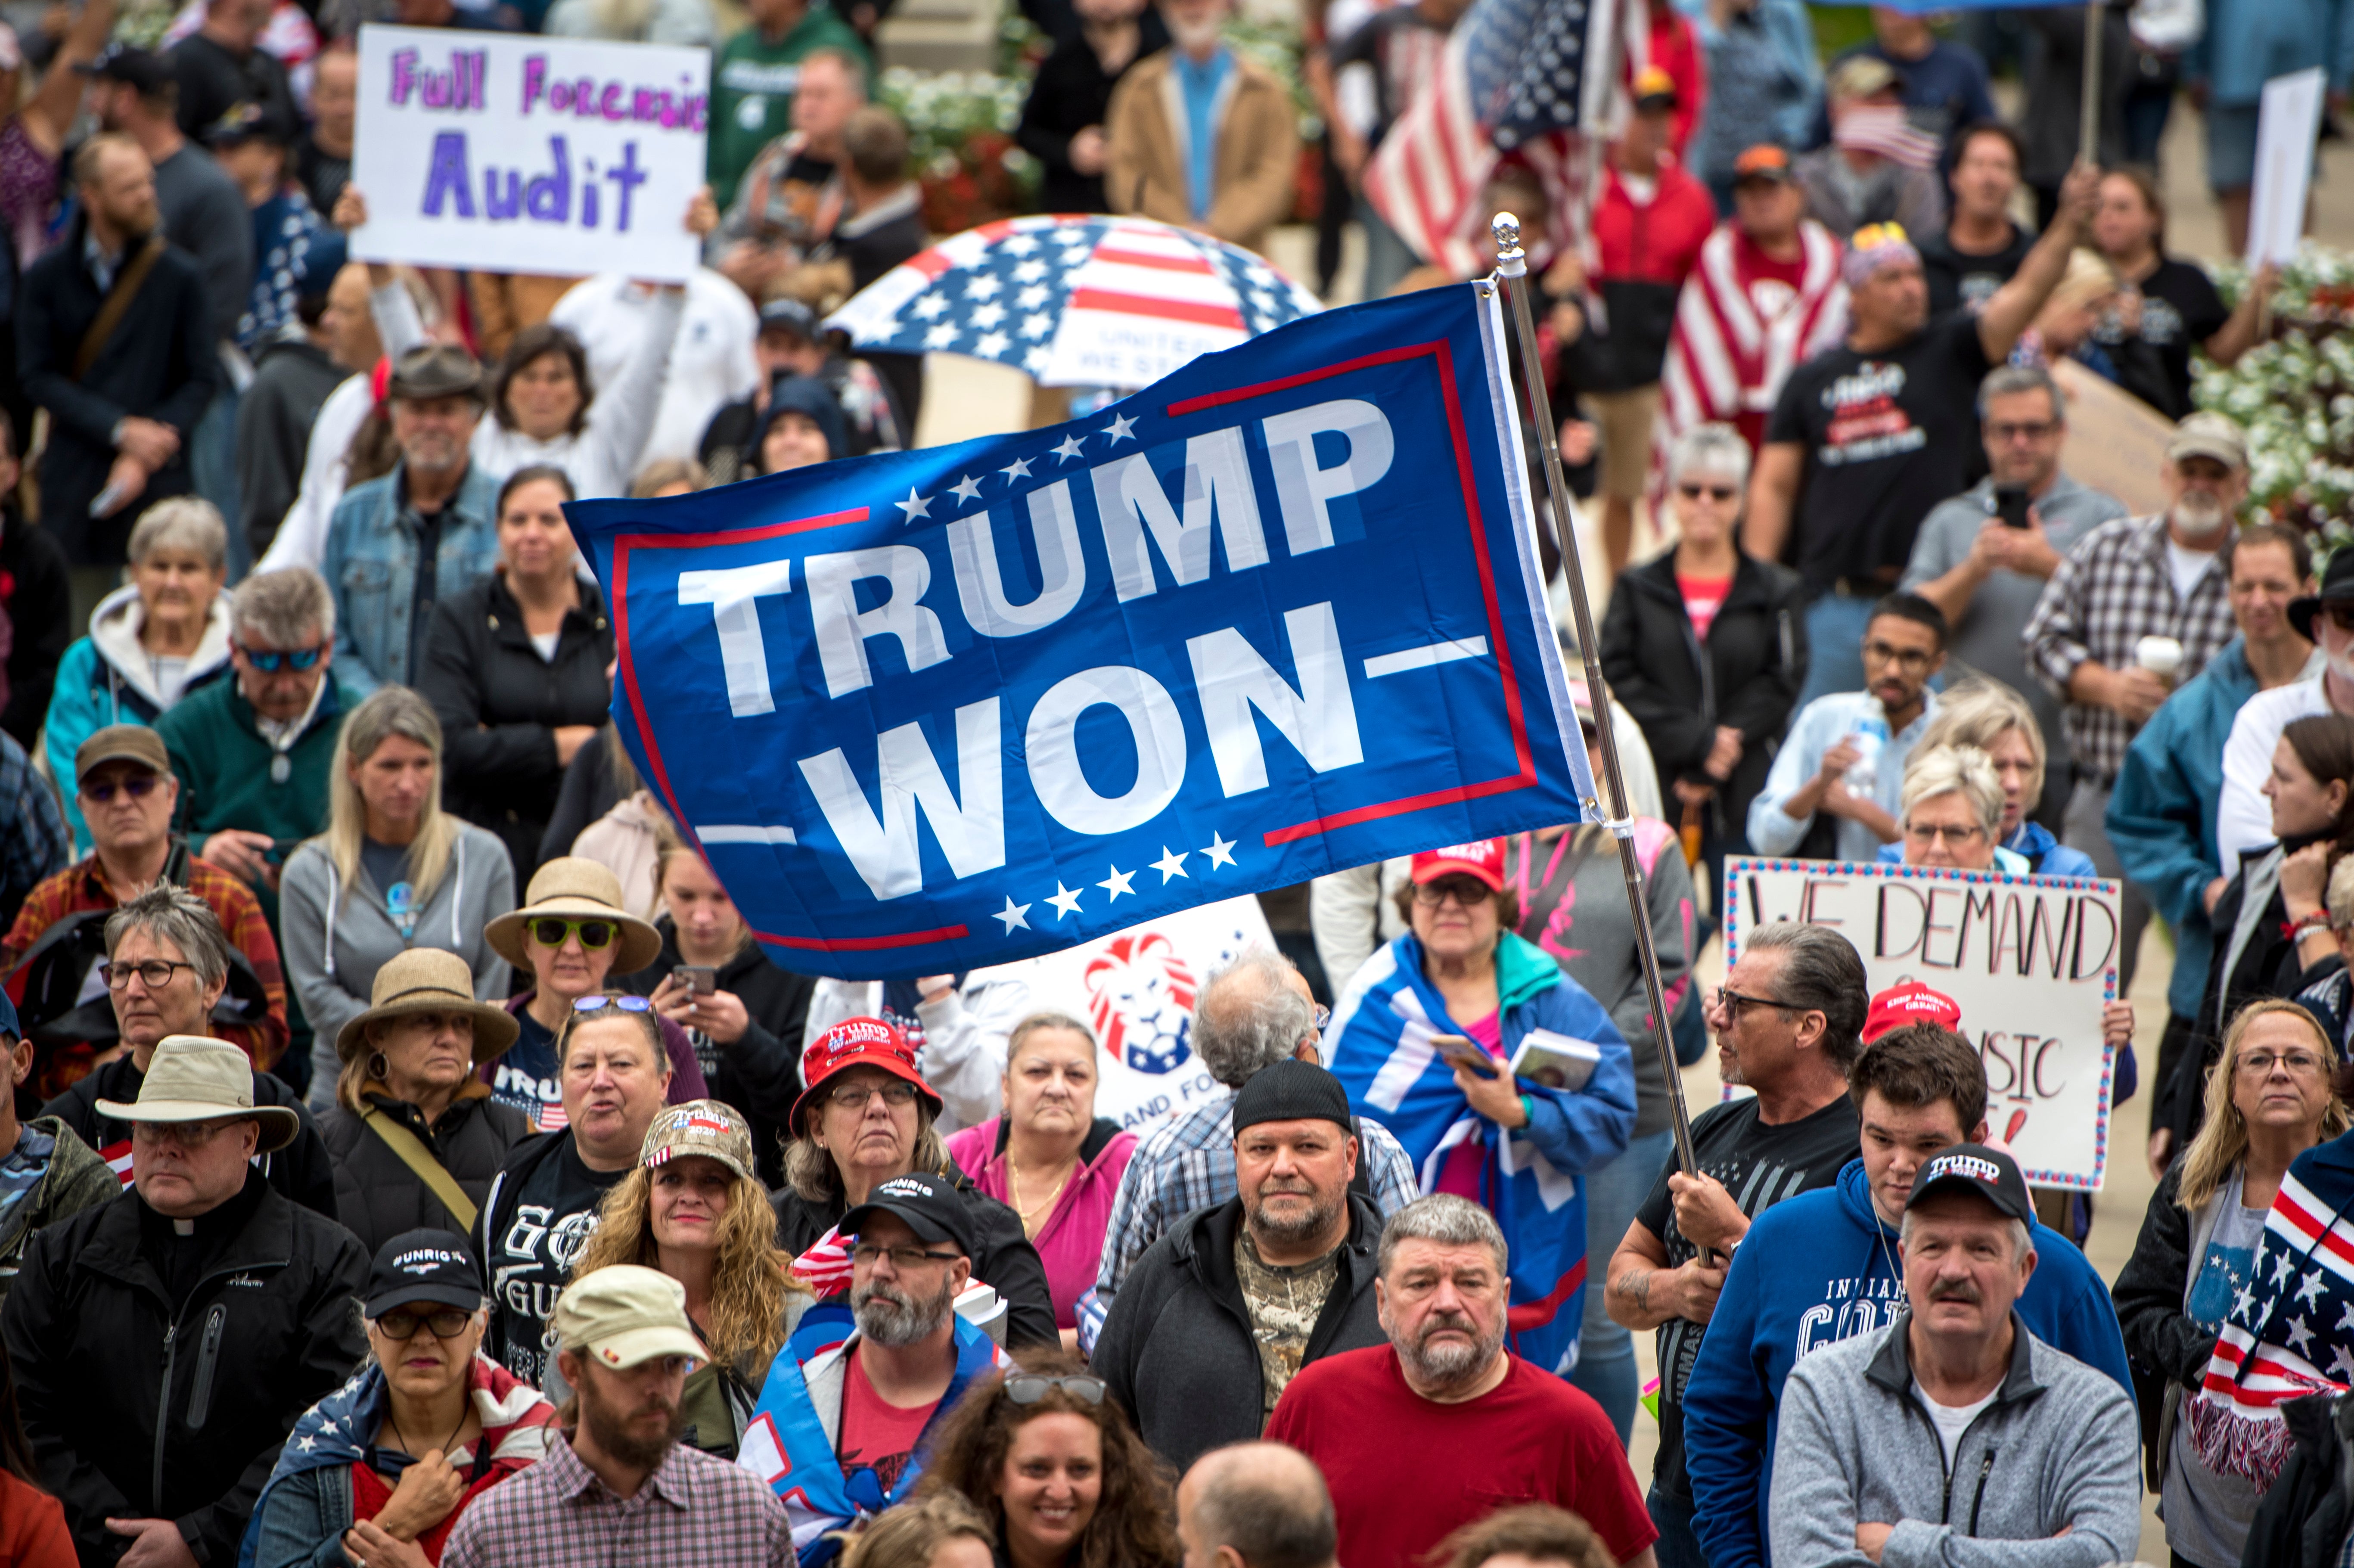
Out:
{"x": 1140, "y": 1001}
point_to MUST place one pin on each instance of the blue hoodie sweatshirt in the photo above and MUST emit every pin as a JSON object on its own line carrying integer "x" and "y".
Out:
{"x": 1813, "y": 1271}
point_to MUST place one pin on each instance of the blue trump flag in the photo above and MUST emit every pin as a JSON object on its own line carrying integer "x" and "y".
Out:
{"x": 1278, "y": 615}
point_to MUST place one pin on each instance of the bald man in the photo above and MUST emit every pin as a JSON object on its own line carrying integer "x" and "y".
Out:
{"x": 1256, "y": 1505}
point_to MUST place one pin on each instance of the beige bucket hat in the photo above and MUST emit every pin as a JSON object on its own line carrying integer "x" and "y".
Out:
{"x": 193, "y": 1078}
{"x": 427, "y": 980}
{"x": 569, "y": 888}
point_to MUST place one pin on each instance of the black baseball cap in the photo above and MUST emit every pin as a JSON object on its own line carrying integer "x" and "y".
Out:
{"x": 427, "y": 1265}
{"x": 1973, "y": 1167}
{"x": 929, "y": 1206}
{"x": 1291, "y": 1090}
{"x": 138, "y": 67}
{"x": 243, "y": 122}
{"x": 789, "y": 315}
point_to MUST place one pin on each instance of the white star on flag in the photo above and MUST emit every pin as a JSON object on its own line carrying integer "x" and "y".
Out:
{"x": 1065, "y": 901}
{"x": 1171, "y": 864}
{"x": 1037, "y": 326}
{"x": 966, "y": 489}
{"x": 1015, "y": 915}
{"x": 2309, "y": 1289}
{"x": 941, "y": 336}
{"x": 929, "y": 307}
{"x": 1119, "y": 883}
{"x": 2341, "y": 1364}
{"x": 1220, "y": 851}
{"x": 989, "y": 344}
{"x": 1029, "y": 272}
{"x": 1018, "y": 469}
{"x": 984, "y": 286}
{"x": 1036, "y": 361}
{"x": 1031, "y": 298}
{"x": 2299, "y": 1336}
{"x": 1118, "y": 428}
{"x": 987, "y": 315}
{"x": 1020, "y": 245}
{"x": 915, "y": 506}
{"x": 1069, "y": 449}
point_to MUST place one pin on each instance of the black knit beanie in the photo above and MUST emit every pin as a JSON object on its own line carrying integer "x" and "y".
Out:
{"x": 1291, "y": 1090}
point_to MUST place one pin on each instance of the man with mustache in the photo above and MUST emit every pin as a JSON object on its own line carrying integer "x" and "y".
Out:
{"x": 2134, "y": 578}
{"x": 620, "y": 1486}
{"x": 1222, "y": 1312}
{"x": 1443, "y": 1425}
{"x": 2020, "y": 1444}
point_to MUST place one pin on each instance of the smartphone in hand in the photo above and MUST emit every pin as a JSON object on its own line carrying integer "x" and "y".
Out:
{"x": 701, "y": 980}
{"x": 1467, "y": 1053}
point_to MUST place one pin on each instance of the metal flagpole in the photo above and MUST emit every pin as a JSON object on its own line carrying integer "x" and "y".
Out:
{"x": 2088, "y": 125}
{"x": 1512, "y": 268}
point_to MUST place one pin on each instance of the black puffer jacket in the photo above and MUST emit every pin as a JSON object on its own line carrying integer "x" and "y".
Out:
{"x": 1002, "y": 1257}
{"x": 500, "y": 703}
{"x": 1177, "y": 1351}
{"x": 269, "y": 1327}
{"x": 377, "y": 1193}
{"x": 1747, "y": 676}
{"x": 301, "y": 1169}
{"x": 760, "y": 1074}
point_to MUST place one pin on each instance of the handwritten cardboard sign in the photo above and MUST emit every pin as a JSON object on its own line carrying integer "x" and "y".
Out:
{"x": 529, "y": 153}
{"x": 2029, "y": 960}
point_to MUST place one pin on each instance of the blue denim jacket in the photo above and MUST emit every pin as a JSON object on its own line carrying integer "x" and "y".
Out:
{"x": 371, "y": 567}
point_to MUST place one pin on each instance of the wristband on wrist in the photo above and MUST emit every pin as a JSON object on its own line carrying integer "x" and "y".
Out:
{"x": 2317, "y": 920}
{"x": 1529, "y": 1110}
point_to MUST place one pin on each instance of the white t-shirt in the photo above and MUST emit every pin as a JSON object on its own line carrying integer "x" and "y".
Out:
{"x": 546, "y": 642}
{"x": 2187, "y": 567}
{"x": 1952, "y": 1420}
{"x": 711, "y": 363}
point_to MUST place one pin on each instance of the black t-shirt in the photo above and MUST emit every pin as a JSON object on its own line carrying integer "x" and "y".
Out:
{"x": 1760, "y": 1166}
{"x": 2179, "y": 311}
{"x": 213, "y": 81}
{"x": 1958, "y": 278}
{"x": 531, "y": 1261}
{"x": 1887, "y": 437}
{"x": 322, "y": 174}
{"x": 426, "y": 588}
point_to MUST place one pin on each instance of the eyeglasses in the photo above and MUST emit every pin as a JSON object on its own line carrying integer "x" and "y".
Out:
{"x": 1029, "y": 1388}
{"x": 854, "y": 1097}
{"x": 598, "y": 1001}
{"x": 270, "y": 661}
{"x": 156, "y": 973}
{"x": 446, "y": 1323}
{"x": 1877, "y": 653}
{"x": 2024, "y": 431}
{"x": 1714, "y": 492}
{"x": 138, "y": 786}
{"x": 1730, "y": 1002}
{"x": 1323, "y": 1017}
{"x": 1937, "y": 833}
{"x": 2262, "y": 1063}
{"x": 550, "y": 932}
{"x": 2341, "y": 612}
{"x": 1466, "y": 891}
{"x": 903, "y": 1258}
{"x": 186, "y": 1134}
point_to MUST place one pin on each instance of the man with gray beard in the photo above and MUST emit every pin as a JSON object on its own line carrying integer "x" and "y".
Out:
{"x": 2155, "y": 580}
{"x": 1221, "y": 1313}
{"x": 877, "y": 1394}
{"x": 1443, "y": 1425}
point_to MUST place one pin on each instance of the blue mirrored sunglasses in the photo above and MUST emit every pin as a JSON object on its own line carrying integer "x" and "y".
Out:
{"x": 270, "y": 661}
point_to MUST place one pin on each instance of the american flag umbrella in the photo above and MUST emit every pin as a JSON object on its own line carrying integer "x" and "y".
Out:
{"x": 1075, "y": 301}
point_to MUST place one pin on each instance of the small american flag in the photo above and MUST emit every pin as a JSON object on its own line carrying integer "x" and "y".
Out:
{"x": 825, "y": 1267}
{"x": 1530, "y": 78}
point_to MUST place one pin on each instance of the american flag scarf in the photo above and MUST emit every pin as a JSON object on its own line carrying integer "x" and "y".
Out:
{"x": 2290, "y": 1331}
{"x": 1731, "y": 352}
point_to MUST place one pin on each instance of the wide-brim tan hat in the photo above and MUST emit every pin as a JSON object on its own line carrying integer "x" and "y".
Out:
{"x": 572, "y": 888}
{"x": 427, "y": 980}
{"x": 193, "y": 1078}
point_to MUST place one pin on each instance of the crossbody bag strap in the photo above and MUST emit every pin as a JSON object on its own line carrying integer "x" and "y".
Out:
{"x": 430, "y": 1170}
{"x": 117, "y": 304}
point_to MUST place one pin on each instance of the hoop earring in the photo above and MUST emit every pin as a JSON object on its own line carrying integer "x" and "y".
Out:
{"x": 377, "y": 1068}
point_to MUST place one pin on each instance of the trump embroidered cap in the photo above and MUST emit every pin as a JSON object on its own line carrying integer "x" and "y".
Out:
{"x": 1911, "y": 1002}
{"x": 1483, "y": 862}
{"x": 860, "y": 1042}
{"x": 927, "y": 1205}
{"x": 623, "y": 1316}
{"x": 1989, "y": 1172}
{"x": 702, "y": 1128}
{"x": 427, "y": 1265}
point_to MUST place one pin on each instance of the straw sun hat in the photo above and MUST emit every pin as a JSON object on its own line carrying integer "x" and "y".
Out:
{"x": 427, "y": 980}
{"x": 572, "y": 888}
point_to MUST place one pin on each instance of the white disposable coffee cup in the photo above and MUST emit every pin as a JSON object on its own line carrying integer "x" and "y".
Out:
{"x": 2161, "y": 656}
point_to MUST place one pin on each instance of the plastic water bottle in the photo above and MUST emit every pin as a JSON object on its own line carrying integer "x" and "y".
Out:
{"x": 1869, "y": 736}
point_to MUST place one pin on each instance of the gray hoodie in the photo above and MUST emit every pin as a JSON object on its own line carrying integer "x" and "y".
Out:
{"x": 334, "y": 938}
{"x": 2058, "y": 1448}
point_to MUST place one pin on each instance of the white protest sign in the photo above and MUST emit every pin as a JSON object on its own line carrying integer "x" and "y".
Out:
{"x": 519, "y": 154}
{"x": 1136, "y": 991}
{"x": 2287, "y": 123}
{"x": 2030, "y": 960}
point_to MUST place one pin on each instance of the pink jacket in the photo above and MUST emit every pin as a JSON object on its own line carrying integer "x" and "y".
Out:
{"x": 1071, "y": 1242}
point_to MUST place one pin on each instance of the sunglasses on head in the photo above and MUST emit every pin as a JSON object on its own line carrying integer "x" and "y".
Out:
{"x": 138, "y": 786}
{"x": 550, "y": 931}
{"x": 595, "y": 1002}
{"x": 270, "y": 661}
{"x": 1029, "y": 1388}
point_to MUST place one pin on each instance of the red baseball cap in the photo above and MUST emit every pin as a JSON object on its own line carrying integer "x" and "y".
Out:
{"x": 859, "y": 1042}
{"x": 1483, "y": 860}
{"x": 1911, "y": 1002}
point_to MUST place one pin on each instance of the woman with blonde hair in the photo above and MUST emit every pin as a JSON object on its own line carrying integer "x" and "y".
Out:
{"x": 392, "y": 871}
{"x": 1996, "y": 719}
{"x": 2269, "y": 1099}
{"x": 942, "y": 1530}
{"x": 694, "y": 1208}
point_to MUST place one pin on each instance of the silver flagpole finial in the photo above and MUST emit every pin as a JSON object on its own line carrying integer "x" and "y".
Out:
{"x": 1510, "y": 261}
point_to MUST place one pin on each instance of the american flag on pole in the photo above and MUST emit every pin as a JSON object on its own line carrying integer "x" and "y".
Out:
{"x": 1526, "y": 78}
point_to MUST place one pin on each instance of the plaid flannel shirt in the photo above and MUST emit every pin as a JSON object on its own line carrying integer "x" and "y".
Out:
{"x": 34, "y": 843}
{"x": 695, "y": 1511}
{"x": 2114, "y": 588}
{"x": 83, "y": 886}
{"x": 1189, "y": 1164}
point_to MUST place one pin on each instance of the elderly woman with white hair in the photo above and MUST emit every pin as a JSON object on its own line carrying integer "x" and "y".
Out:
{"x": 1707, "y": 647}
{"x": 1991, "y": 718}
{"x": 166, "y": 630}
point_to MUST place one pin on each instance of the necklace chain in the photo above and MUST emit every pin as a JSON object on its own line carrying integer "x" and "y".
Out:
{"x": 1013, "y": 1188}
{"x": 392, "y": 1421}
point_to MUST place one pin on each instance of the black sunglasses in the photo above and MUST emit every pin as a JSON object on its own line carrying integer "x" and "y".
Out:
{"x": 550, "y": 932}
{"x": 138, "y": 788}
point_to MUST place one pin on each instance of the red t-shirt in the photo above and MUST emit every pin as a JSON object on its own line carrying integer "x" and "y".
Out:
{"x": 876, "y": 1436}
{"x": 1703, "y": 598}
{"x": 1437, "y": 1467}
